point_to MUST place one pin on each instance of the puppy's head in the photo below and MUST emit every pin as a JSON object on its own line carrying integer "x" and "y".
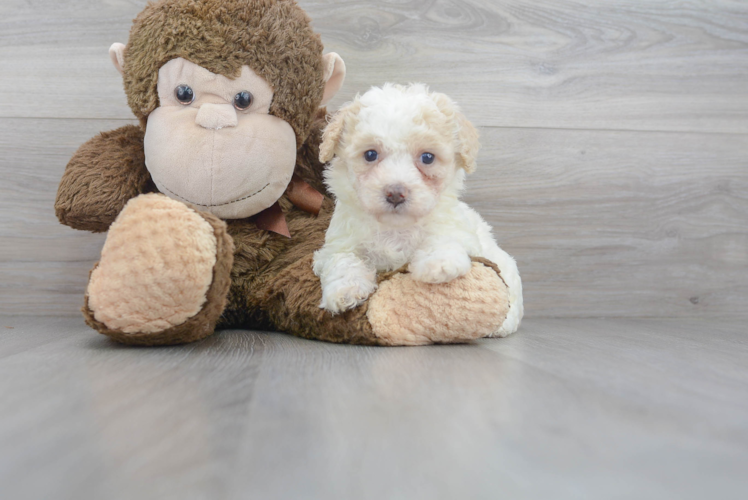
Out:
{"x": 396, "y": 150}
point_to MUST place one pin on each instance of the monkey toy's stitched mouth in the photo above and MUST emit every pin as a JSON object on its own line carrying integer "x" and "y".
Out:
{"x": 218, "y": 204}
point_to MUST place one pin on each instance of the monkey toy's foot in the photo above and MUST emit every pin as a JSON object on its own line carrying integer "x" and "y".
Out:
{"x": 405, "y": 311}
{"x": 163, "y": 276}
{"x": 402, "y": 311}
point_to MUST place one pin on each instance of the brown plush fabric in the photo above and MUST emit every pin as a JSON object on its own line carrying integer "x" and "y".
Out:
{"x": 292, "y": 303}
{"x": 202, "y": 324}
{"x": 101, "y": 177}
{"x": 273, "y": 37}
{"x": 262, "y": 256}
{"x": 308, "y": 166}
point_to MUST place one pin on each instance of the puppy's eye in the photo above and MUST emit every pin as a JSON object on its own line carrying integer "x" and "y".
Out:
{"x": 242, "y": 100}
{"x": 184, "y": 94}
{"x": 371, "y": 155}
{"x": 427, "y": 158}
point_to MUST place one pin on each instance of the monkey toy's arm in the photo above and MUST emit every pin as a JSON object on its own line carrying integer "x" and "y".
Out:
{"x": 101, "y": 177}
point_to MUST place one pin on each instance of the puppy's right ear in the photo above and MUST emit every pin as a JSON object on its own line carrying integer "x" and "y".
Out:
{"x": 334, "y": 130}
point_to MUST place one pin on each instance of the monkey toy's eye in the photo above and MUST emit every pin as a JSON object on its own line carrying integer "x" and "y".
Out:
{"x": 371, "y": 156}
{"x": 242, "y": 100}
{"x": 427, "y": 158}
{"x": 184, "y": 94}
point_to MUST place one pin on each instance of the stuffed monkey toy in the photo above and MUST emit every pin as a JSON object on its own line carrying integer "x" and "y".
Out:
{"x": 215, "y": 203}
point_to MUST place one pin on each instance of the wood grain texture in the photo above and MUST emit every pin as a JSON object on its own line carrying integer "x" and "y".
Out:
{"x": 602, "y": 223}
{"x": 606, "y": 216}
{"x": 627, "y": 64}
{"x": 619, "y": 223}
{"x": 566, "y": 409}
{"x": 43, "y": 265}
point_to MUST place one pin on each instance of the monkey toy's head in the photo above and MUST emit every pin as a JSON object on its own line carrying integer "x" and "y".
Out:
{"x": 227, "y": 91}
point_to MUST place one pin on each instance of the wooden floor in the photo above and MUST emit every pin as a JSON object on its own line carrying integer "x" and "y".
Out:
{"x": 630, "y": 409}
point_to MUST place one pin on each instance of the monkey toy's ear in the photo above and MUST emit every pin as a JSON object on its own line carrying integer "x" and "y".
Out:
{"x": 117, "y": 55}
{"x": 334, "y": 74}
{"x": 334, "y": 130}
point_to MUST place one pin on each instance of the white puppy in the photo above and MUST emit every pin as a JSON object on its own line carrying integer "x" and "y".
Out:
{"x": 401, "y": 155}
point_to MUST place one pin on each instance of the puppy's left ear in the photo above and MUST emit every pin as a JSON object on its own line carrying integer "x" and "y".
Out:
{"x": 469, "y": 144}
{"x": 334, "y": 131}
{"x": 466, "y": 134}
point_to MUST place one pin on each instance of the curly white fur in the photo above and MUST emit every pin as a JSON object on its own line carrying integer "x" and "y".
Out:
{"x": 432, "y": 230}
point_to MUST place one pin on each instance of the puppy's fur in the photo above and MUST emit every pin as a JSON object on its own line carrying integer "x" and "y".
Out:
{"x": 431, "y": 230}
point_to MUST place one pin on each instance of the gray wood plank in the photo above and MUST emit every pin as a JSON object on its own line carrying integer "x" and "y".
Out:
{"x": 620, "y": 224}
{"x": 627, "y": 64}
{"x": 54, "y": 60}
{"x": 601, "y": 223}
{"x": 567, "y": 408}
{"x": 185, "y": 405}
{"x": 18, "y": 334}
{"x": 43, "y": 265}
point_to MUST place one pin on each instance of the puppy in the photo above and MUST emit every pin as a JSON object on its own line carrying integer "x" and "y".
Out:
{"x": 398, "y": 158}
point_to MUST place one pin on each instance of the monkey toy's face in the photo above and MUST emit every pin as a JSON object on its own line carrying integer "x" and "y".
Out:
{"x": 225, "y": 104}
{"x": 212, "y": 142}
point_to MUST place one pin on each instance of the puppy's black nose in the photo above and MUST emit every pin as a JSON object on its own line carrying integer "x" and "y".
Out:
{"x": 396, "y": 194}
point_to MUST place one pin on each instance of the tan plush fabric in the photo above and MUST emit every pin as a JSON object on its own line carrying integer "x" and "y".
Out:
{"x": 238, "y": 163}
{"x": 196, "y": 327}
{"x": 156, "y": 267}
{"x": 216, "y": 116}
{"x": 407, "y": 312}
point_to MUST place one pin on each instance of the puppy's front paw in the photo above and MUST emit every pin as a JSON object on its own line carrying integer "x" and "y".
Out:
{"x": 344, "y": 294}
{"x": 440, "y": 267}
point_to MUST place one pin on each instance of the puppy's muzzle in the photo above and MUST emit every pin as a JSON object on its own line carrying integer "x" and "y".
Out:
{"x": 396, "y": 194}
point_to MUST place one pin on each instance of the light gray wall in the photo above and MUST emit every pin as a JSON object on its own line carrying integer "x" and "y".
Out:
{"x": 615, "y": 138}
